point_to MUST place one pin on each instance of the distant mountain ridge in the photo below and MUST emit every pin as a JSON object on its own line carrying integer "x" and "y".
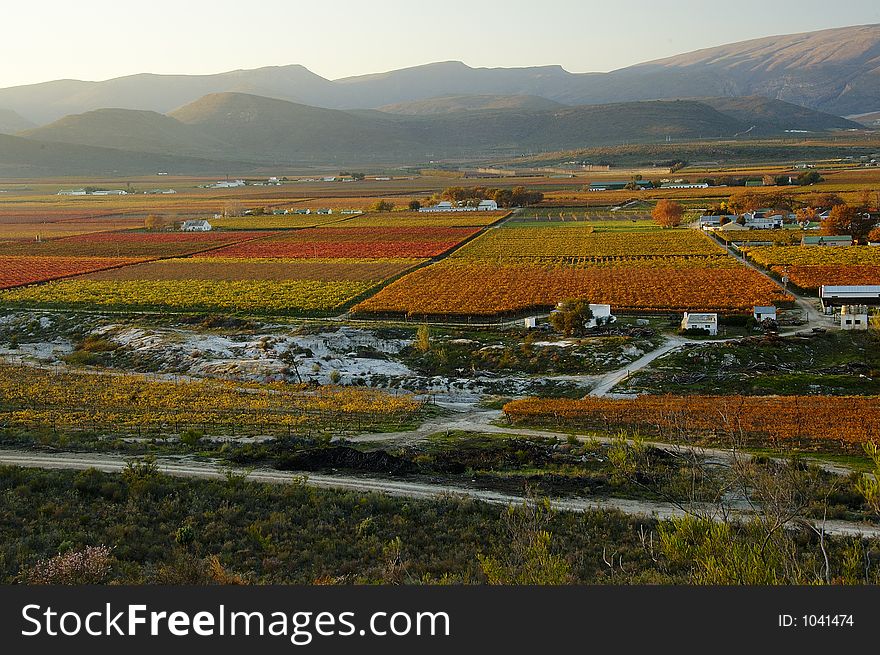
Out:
{"x": 836, "y": 71}
{"x": 260, "y": 130}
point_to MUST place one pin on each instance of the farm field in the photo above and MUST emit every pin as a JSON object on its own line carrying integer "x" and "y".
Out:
{"x": 17, "y": 271}
{"x": 32, "y": 231}
{"x": 427, "y": 219}
{"x": 352, "y": 242}
{"x": 462, "y": 288}
{"x": 581, "y": 241}
{"x": 825, "y": 422}
{"x": 129, "y": 244}
{"x": 231, "y": 269}
{"x": 135, "y": 404}
{"x": 263, "y": 297}
{"x": 510, "y": 270}
{"x": 811, "y": 267}
{"x": 779, "y": 237}
{"x": 272, "y": 222}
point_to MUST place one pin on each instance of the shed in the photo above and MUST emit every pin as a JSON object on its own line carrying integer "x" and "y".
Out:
{"x": 763, "y": 313}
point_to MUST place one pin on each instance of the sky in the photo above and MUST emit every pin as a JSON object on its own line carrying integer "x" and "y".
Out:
{"x": 101, "y": 39}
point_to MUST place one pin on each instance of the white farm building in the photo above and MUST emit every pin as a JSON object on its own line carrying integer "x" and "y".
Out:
{"x": 196, "y": 226}
{"x": 708, "y": 322}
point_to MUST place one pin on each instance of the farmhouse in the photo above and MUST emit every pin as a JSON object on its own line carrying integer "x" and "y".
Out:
{"x": 72, "y": 192}
{"x": 762, "y": 221}
{"x": 112, "y": 192}
{"x": 487, "y": 206}
{"x": 764, "y": 313}
{"x": 854, "y": 317}
{"x": 447, "y": 206}
{"x": 826, "y": 241}
{"x": 733, "y": 226}
{"x": 196, "y": 226}
{"x": 708, "y": 322}
{"x": 226, "y": 184}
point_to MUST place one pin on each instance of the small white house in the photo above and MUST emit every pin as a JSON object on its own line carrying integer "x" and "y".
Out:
{"x": 196, "y": 226}
{"x": 324, "y": 212}
{"x": 854, "y": 317}
{"x": 531, "y": 322}
{"x": 487, "y": 206}
{"x": 601, "y": 315}
{"x": 708, "y": 322}
{"x": 764, "y": 313}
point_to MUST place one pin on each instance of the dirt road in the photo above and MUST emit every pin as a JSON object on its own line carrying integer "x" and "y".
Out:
{"x": 421, "y": 490}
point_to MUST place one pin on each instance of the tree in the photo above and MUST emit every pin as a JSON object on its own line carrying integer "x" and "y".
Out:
{"x": 153, "y": 222}
{"x": 823, "y": 200}
{"x": 382, "y": 206}
{"x": 742, "y": 202}
{"x": 571, "y": 317}
{"x": 847, "y": 220}
{"x": 809, "y": 177}
{"x": 667, "y": 213}
{"x": 414, "y": 205}
{"x": 874, "y": 235}
{"x": 423, "y": 339}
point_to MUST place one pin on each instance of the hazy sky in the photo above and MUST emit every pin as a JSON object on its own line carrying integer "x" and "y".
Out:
{"x": 99, "y": 39}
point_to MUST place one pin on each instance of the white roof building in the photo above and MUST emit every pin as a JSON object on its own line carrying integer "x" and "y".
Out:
{"x": 195, "y": 226}
{"x": 763, "y": 313}
{"x": 708, "y": 322}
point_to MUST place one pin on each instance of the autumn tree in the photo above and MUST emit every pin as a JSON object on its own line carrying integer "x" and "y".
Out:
{"x": 667, "y": 213}
{"x": 382, "y": 206}
{"x": 153, "y": 222}
{"x": 847, "y": 220}
{"x": 874, "y": 235}
{"x": 823, "y": 200}
{"x": 742, "y": 202}
{"x": 414, "y": 205}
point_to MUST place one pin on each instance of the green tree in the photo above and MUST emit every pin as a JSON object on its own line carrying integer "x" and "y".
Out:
{"x": 571, "y": 317}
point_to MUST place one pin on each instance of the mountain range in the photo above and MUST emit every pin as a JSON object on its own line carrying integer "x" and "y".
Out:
{"x": 289, "y": 115}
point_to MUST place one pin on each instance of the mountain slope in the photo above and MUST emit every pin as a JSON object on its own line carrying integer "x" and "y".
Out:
{"x": 128, "y": 129}
{"x": 455, "y": 104}
{"x": 243, "y": 127}
{"x": 11, "y": 122}
{"x": 20, "y": 158}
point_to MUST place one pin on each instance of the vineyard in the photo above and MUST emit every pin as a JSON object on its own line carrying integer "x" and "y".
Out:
{"x": 813, "y": 277}
{"x": 226, "y": 268}
{"x": 769, "y": 256}
{"x": 18, "y": 271}
{"x": 145, "y": 406}
{"x": 272, "y": 297}
{"x": 802, "y": 421}
{"x": 352, "y": 243}
{"x": 460, "y": 288}
{"x": 415, "y": 219}
{"x": 779, "y": 237}
{"x": 129, "y": 244}
{"x": 581, "y": 241}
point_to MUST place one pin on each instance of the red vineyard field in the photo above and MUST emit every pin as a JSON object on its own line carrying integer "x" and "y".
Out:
{"x": 802, "y": 420}
{"x": 352, "y": 243}
{"x": 19, "y": 271}
{"x": 129, "y": 244}
{"x": 459, "y": 288}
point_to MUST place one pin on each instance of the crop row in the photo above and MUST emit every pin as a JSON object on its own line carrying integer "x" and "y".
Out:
{"x": 580, "y": 240}
{"x": 31, "y": 396}
{"x": 805, "y": 420}
{"x": 275, "y": 297}
{"x": 460, "y": 287}
{"x": 18, "y": 271}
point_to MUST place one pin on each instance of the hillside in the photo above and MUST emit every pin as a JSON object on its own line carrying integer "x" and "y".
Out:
{"x": 836, "y": 71}
{"x": 127, "y": 129}
{"x": 11, "y": 122}
{"x": 459, "y": 103}
{"x": 20, "y": 158}
{"x": 242, "y": 127}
